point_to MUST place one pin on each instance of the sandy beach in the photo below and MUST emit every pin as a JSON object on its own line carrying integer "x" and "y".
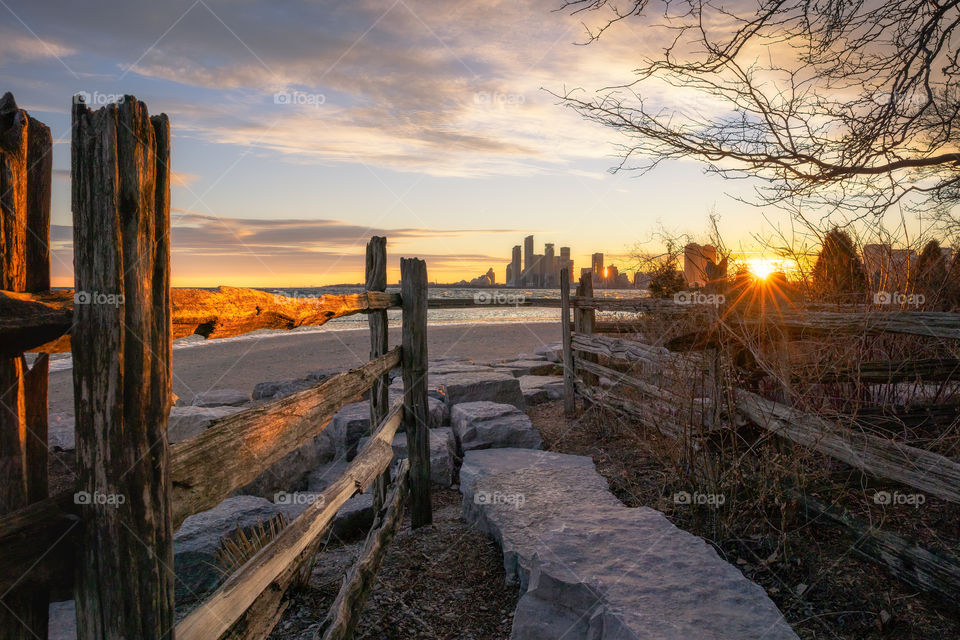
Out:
{"x": 242, "y": 364}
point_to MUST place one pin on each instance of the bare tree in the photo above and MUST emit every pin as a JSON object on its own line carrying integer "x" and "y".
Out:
{"x": 842, "y": 105}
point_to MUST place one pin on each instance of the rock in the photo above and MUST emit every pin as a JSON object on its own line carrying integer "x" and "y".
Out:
{"x": 590, "y": 567}
{"x": 292, "y": 471}
{"x": 528, "y": 367}
{"x": 61, "y": 432}
{"x": 443, "y": 454}
{"x": 443, "y": 368}
{"x": 62, "y": 621}
{"x": 280, "y": 388}
{"x": 188, "y": 422}
{"x": 321, "y": 375}
{"x": 293, "y": 504}
{"x": 196, "y": 542}
{"x": 347, "y": 426}
{"x": 438, "y": 413}
{"x": 552, "y": 352}
{"x": 473, "y": 386}
{"x": 221, "y": 397}
{"x": 537, "y": 389}
{"x": 324, "y": 475}
{"x": 354, "y": 518}
{"x": 489, "y": 425}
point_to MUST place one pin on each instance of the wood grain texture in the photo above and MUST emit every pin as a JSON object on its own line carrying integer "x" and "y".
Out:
{"x": 215, "y": 616}
{"x": 40, "y": 321}
{"x": 344, "y": 613}
{"x": 413, "y": 287}
{"x": 880, "y": 457}
{"x": 376, "y": 280}
{"x": 121, "y": 370}
{"x": 569, "y": 390}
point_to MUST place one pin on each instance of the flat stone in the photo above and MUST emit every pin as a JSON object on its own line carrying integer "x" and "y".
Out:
{"x": 188, "y": 422}
{"x": 347, "y": 426}
{"x": 590, "y": 567}
{"x": 196, "y": 542}
{"x": 491, "y": 425}
{"x": 552, "y": 352}
{"x": 354, "y": 518}
{"x": 438, "y": 413}
{"x": 528, "y": 367}
{"x": 221, "y": 397}
{"x": 61, "y": 432}
{"x": 443, "y": 368}
{"x": 325, "y": 475}
{"x": 538, "y": 389}
{"x": 280, "y": 388}
{"x": 473, "y": 386}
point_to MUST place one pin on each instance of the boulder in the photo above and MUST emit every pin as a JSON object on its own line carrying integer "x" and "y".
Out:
{"x": 490, "y": 425}
{"x": 473, "y": 386}
{"x": 528, "y": 367}
{"x": 61, "y": 432}
{"x": 354, "y": 518}
{"x": 590, "y": 567}
{"x": 325, "y": 474}
{"x": 196, "y": 542}
{"x": 188, "y": 422}
{"x": 347, "y": 426}
{"x": 438, "y": 413}
{"x": 292, "y": 471}
{"x": 552, "y": 352}
{"x": 280, "y": 388}
{"x": 443, "y": 454}
{"x": 537, "y": 389}
{"x": 221, "y": 397}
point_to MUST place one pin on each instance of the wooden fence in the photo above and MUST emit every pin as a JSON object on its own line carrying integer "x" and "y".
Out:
{"x": 117, "y": 555}
{"x": 683, "y": 392}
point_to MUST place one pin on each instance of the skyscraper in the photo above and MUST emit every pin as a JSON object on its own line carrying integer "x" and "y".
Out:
{"x": 515, "y": 268}
{"x": 527, "y": 253}
{"x": 549, "y": 274}
{"x": 596, "y": 264}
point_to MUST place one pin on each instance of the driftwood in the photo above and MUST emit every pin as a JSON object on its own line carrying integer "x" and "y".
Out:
{"x": 121, "y": 370}
{"x": 917, "y": 468}
{"x": 234, "y": 450}
{"x": 914, "y": 565}
{"x": 39, "y": 321}
{"x": 344, "y": 614}
{"x": 216, "y": 615}
{"x": 413, "y": 277}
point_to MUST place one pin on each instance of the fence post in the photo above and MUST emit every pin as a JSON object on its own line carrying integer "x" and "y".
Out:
{"x": 121, "y": 370}
{"x": 25, "y": 173}
{"x": 587, "y": 318}
{"x": 413, "y": 290}
{"x": 379, "y": 392}
{"x": 569, "y": 401}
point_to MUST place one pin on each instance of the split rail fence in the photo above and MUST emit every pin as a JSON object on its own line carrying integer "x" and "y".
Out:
{"x": 674, "y": 383}
{"x": 118, "y": 323}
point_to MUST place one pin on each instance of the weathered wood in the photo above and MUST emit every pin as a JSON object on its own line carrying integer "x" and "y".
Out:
{"x": 629, "y": 351}
{"x": 587, "y": 318}
{"x": 234, "y": 450}
{"x": 231, "y": 452}
{"x": 917, "y": 468}
{"x": 39, "y": 543}
{"x": 587, "y": 301}
{"x": 914, "y": 565}
{"x": 663, "y": 398}
{"x": 25, "y": 175}
{"x": 625, "y": 406}
{"x": 376, "y": 274}
{"x": 569, "y": 390}
{"x": 121, "y": 370}
{"x": 487, "y": 297}
{"x": 413, "y": 286}
{"x": 886, "y": 371}
{"x": 243, "y": 587}
{"x": 36, "y": 322}
{"x": 345, "y": 611}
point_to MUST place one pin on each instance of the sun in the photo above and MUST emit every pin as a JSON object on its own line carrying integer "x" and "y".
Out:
{"x": 761, "y": 268}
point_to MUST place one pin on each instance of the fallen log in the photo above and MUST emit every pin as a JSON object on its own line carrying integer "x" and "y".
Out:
{"x": 344, "y": 614}
{"x": 879, "y": 457}
{"x": 40, "y": 321}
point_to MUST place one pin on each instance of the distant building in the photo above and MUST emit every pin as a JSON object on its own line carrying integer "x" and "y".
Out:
{"x": 514, "y": 278}
{"x": 888, "y": 269}
{"x": 695, "y": 258}
{"x": 527, "y": 253}
{"x": 537, "y": 270}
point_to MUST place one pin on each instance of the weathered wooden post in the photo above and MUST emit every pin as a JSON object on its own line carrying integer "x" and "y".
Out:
{"x": 413, "y": 291}
{"x": 121, "y": 370}
{"x": 586, "y": 319}
{"x": 569, "y": 400}
{"x": 25, "y": 173}
{"x": 379, "y": 392}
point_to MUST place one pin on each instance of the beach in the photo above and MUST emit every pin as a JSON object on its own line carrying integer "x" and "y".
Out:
{"x": 241, "y": 364}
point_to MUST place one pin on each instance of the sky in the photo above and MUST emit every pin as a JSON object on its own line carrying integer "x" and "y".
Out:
{"x": 300, "y": 129}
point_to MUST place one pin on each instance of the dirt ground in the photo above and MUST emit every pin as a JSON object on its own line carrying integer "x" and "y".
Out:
{"x": 442, "y": 582}
{"x": 808, "y": 569}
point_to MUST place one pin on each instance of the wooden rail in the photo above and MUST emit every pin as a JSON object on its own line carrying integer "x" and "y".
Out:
{"x": 493, "y": 297}
{"x": 242, "y": 588}
{"x": 42, "y": 321}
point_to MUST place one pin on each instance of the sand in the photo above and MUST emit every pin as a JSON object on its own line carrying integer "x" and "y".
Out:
{"x": 242, "y": 364}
